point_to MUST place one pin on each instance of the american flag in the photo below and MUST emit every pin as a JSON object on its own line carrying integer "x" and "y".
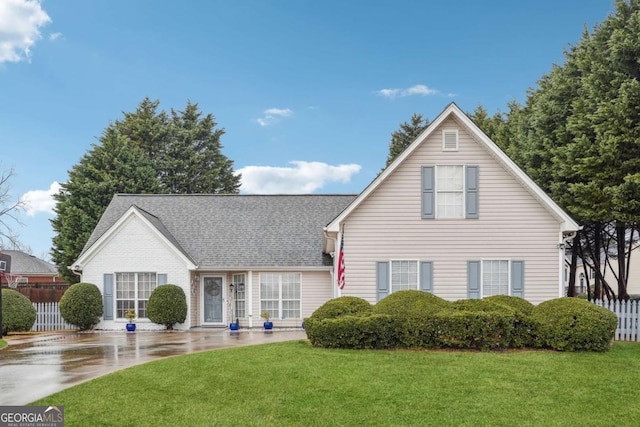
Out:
{"x": 341, "y": 264}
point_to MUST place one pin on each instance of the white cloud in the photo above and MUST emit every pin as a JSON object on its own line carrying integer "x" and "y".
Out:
{"x": 410, "y": 91}
{"x": 54, "y": 36}
{"x": 419, "y": 90}
{"x": 273, "y": 115}
{"x": 20, "y": 22}
{"x": 388, "y": 93}
{"x": 40, "y": 200}
{"x": 302, "y": 178}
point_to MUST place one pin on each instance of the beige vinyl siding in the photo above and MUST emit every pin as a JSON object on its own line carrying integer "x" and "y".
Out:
{"x": 512, "y": 225}
{"x": 316, "y": 290}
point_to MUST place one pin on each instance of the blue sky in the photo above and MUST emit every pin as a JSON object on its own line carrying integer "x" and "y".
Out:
{"x": 308, "y": 92}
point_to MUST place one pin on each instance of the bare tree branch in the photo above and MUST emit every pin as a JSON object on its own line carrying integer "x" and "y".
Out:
{"x": 8, "y": 211}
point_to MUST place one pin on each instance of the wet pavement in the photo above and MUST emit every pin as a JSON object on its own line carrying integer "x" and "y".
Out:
{"x": 33, "y": 367}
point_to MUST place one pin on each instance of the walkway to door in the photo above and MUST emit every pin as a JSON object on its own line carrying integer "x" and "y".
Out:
{"x": 33, "y": 367}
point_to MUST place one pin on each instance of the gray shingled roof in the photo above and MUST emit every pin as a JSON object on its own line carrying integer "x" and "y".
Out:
{"x": 25, "y": 264}
{"x": 236, "y": 231}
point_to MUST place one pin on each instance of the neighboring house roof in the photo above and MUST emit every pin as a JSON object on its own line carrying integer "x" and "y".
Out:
{"x": 234, "y": 231}
{"x": 28, "y": 265}
{"x": 453, "y": 111}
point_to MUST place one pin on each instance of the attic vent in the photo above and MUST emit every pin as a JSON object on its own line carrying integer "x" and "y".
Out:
{"x": 450, "y": 140}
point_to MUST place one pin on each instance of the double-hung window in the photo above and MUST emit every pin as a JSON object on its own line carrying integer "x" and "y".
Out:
{"x": 280, "y": 295}
{"x": 450, "y": 191}
{"x": 495, "y": 277}
{"x": 133, "y": 291}
{"x": 404, "y": 275}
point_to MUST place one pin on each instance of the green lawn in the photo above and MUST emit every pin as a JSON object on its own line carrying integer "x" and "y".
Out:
{"x": 295, "y": 384}
{"x": 3, "y": 343}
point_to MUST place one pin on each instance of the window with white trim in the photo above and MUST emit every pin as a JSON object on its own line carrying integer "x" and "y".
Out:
{"x": 133, "y": 291}
{"x": 495, "y": 277}
{"x": 3, "y": 265}
{"x": 240, "y": 297}
{"x": 404, "y": 275}
{"x": 280, "y": 295}
{"x": 450, "y": 191}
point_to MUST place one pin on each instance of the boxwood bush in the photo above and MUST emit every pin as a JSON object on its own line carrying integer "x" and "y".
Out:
{"x": 411, "y": 311}
{"x": 523, "y": 329}
{"x": 369, "y": 331}
{"x": 520, "y": 304}
{"x": 481, "y": 305}
{"x": 81, "y": 305}
{"x": 342, "y": 306}
{"x": 466, "y": 329}
{"x": 333, "y": 309}
{"x": 18, "y": 313}
{"x": 572, "y": 324}
{"x": 167, "y": 306}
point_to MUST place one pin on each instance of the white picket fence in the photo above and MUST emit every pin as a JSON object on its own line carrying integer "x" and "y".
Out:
{"x": 48, "y": 317}
{"x": 628, "y": 318}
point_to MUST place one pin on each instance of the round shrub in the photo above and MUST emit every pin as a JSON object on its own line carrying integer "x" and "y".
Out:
{"x": 411, "y": 311}
{"x": 18, "y": 313}
{"x": 520, "y": 304}
{"x": 571, "y": 324}
{"x": 167, "y": 306}
{"x": 81, "y": 305}
{"x": 402, "y": 302}
{"x": 342, "y": 306}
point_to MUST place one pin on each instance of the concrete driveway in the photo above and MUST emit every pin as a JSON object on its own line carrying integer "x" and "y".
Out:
{"x": 33, "y": 367}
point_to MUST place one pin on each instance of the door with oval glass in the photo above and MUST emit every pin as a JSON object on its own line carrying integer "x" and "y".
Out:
{"x": 212, "y": 299}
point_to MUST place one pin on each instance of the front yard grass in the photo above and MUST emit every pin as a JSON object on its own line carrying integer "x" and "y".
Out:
{"x": 3, "y": 343}
{"x": 295, "y": 384}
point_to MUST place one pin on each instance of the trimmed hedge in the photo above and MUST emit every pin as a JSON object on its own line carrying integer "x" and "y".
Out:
{"x": 167, "y": 306}
{"x": 481, "y": 330}
{"x": 81, "y": 305}
{"x": 372, "y": 331}
{"x": 520, "y": 304}
{"x": 481, "y": 305}
{"x": 415, "y": 319}
{"x": 521, "y": 332}
{"x": 342, "y": 306}
{"x": 18, "y": 314}
{"x": 572, "y": 324}
{"x": 412, "y": 311}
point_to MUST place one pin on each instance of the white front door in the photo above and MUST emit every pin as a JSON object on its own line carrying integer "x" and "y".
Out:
{"x": 212, "y": 300}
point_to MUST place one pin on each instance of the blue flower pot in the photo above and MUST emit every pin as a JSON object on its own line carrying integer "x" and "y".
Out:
{"x": 268, "y": 325}
{"x": 131, "y": 327}
{"x": 234, "y": 326}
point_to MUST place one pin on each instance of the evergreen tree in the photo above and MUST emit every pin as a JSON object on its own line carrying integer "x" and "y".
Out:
{"x": 581, "y": 135}
{"x": 115, "y": 165}
{"x": 147, "y": 151}
{"x": 404, "y": 136}
{"x": 191, "y": 160}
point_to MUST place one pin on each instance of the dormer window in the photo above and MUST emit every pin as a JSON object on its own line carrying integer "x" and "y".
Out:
{"x": 450, "y": 140}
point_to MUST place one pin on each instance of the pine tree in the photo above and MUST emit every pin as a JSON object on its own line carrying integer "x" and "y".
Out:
{"x": 404, "y": 136}
{"x": 114, "y": 165}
